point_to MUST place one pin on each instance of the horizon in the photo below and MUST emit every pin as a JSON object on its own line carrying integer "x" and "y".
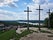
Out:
{"x": 17, "y": 20}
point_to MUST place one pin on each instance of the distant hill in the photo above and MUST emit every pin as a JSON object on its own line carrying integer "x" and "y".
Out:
{"x": 32, "y": 21}
{"x": 9, "y": 22}
{"x": 17, "y": 21}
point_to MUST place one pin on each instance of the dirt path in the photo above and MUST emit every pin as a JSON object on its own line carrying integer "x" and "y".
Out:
{"x": 37, "y": 36}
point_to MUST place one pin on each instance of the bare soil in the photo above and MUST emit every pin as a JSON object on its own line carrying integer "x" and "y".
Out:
{"x": 38, "y": 36}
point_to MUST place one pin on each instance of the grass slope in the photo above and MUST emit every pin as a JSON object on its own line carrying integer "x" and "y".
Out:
{"x": 7, "y": 35}
{"x": 24, "y": 33}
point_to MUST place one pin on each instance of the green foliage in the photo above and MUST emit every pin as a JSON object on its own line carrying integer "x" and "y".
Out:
{"x": 7, "y": 23}
{"x": 12, "y": 34}
{"x": 51, "y": 21}
{"x": 1, "y": 32}
{"x": 46, "y": 22}
{"x": 44, "y": 31}
{"x": 7, "y": 35}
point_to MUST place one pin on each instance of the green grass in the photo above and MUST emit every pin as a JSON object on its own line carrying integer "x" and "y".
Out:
{"x": 44, "y": 31}
{"x": 7, "y": 35}
{"x": 1, "y": 32}
{"x": 51, "y": 28}
{"x": 24, "y": 33}
{"x": 12, "y": 34}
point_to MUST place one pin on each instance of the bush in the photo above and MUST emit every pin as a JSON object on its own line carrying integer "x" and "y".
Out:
{"x": 43, "y": 31}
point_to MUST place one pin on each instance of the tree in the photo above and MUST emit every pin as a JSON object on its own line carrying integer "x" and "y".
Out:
{"x": 46, "y": 22}
{"x": 51, "y": 20}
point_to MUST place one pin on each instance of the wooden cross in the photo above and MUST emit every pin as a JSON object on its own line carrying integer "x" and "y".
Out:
{"x": 27, "y": 16}
{"x": 49, "y": 18}
{"x": 39, "y": 16}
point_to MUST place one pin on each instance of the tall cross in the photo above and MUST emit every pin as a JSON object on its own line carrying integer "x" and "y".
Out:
{"x": 27, "y": 16}
{"x": 39, "y": 16}
{"x": 49, "y": 18}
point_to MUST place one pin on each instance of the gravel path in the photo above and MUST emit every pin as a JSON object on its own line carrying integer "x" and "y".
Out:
{"x": 37, "y": 36}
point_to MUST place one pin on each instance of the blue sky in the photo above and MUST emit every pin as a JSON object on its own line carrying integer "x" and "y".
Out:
{"x": 14, "y": 9}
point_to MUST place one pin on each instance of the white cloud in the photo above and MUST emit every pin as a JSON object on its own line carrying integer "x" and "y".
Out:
{"x": 40, "y": 1}
{"x": 36, "y": 1}
{"x": 8, "y": 2}
{"x": 25, "y": 3}
{"x": 8, "y": 15}
{"x": 45, "y": 6}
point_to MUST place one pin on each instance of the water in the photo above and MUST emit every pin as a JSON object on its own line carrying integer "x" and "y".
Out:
{"x": 31, "y": 23}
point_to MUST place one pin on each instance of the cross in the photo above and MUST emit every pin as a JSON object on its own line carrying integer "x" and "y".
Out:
{"x": 49, "y": 18}
{"x": 27, "y": 16}
{"x": 39, "y": 16}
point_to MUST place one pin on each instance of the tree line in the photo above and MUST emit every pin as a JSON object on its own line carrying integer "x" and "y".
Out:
{"x": 51, "y": 21}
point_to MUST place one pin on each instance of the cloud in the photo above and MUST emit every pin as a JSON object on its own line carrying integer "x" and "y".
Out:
{"x": 36, "y": 1}
{"x": 41, "y": 1}
{"x": 8, "y": 15}
{"x": 10, "y": 3}
{"x": 45, "y": 5}
{"x": 34, "y": 15}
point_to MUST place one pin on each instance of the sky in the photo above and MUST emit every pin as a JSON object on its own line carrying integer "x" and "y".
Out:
{"x": 14, "y": 9}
